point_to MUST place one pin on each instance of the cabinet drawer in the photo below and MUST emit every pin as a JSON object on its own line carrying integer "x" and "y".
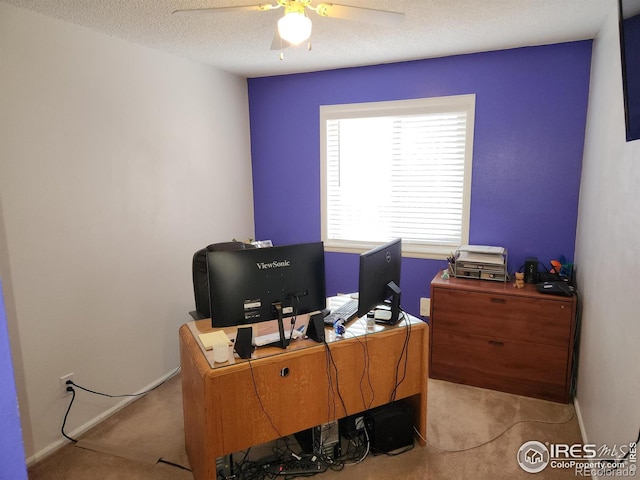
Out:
{"x": 506, "y": 316}
{"x": 512, "y": 366}
{"x": 276, "y": 383}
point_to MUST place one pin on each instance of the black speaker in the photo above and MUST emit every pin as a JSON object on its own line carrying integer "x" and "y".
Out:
{"x": 243, "y": 344}
{"x": 315, "y": 328}
{"x": 531, "y": 270}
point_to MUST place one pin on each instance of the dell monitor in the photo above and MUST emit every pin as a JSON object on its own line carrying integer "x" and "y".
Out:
{"x": 379, "y": 279}
{"x": 256, "y": 285}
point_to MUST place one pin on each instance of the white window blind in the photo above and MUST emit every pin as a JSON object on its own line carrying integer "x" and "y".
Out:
{"x": 397, "y": 169}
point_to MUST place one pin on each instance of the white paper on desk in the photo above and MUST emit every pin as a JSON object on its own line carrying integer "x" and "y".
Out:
{"x": 482, "y": 249}
{"x": 211, "y": 338}
{"x": 486, "y": 258}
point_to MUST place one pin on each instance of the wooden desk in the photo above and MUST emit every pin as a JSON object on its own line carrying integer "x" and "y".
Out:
{"x": 232, "y": 406}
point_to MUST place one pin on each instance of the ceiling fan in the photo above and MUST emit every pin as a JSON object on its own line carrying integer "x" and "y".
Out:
{"x": 294, "y": 27}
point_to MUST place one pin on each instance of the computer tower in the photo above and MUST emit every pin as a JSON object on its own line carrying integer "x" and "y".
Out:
{"x": 324, "y": 439}
{"x": 390, "y": 427}
{"x": 351, "y": 425}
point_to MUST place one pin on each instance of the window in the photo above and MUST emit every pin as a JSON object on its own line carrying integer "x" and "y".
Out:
{"x": 397, "y": 169}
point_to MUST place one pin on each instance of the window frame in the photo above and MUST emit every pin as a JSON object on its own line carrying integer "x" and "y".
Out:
{"x": 453, "y": 103}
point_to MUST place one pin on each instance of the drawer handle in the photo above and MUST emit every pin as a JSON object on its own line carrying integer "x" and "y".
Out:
{"x": 498, "y": 300}
{"x": 496, "y": 343}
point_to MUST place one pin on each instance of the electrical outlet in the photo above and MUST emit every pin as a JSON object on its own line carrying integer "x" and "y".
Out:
{"x": 63, "y": 385}
{"x": 425, "y": 307}
{"x": 359, "y": 423}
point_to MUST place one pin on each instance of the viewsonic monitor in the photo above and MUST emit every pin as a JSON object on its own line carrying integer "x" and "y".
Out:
{"x": 246, "y": 285}
{"x": 379, "y": 279}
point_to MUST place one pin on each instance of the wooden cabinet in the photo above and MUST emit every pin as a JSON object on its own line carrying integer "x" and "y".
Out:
{"x": 493, "y": 335}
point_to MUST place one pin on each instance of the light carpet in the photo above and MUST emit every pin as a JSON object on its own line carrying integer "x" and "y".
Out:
{"x": 472, "y": 433}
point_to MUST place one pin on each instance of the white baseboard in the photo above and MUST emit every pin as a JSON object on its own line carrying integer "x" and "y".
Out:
{"x": 583, "y": 430}
{"x": 45, "y": 452}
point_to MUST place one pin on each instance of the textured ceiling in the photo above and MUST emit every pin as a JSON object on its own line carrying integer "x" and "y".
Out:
{"x": 239, "y": 42}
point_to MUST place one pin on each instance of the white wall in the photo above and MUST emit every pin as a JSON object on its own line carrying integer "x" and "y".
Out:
{"x": 118, "y": 162}
{"x": 608, "y": 257}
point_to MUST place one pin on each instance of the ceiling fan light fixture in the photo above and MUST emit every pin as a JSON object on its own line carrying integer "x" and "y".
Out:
{"x": 294, "y": 27}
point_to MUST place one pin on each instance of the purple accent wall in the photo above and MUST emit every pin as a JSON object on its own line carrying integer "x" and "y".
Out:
{"x": 531, "y": 106}
{"x": 11, "y": 449}
{"x": 631, "y": 69}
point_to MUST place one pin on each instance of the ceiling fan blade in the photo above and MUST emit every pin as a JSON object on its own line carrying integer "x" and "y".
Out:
{"x": 263, "y": 7}
{"x": 359, "y": 14}
{"x": 278, "y": 43}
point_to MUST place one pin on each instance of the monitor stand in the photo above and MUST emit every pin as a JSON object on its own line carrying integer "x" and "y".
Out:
{"x": 284, "y": 341}
{"x": 394, "y": 291}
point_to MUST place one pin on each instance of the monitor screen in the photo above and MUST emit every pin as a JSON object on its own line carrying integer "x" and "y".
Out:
{"x": 379, "y": 278}
{"x": 244, "y": 285}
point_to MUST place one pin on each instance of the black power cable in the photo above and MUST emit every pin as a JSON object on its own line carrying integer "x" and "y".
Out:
{"x": 332, "y": 362}
{"x": 404, "y": 353}
{"x": 64, "y": 421}
{"x": 173, "y": 374}
{"x": 71, "y": 384}
{"x": 365, "y": 371}
{"x": 262, "y": 407}
{"x": 181, "y": 467}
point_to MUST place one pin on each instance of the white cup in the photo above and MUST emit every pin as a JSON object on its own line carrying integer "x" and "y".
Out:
{"x": 220, "y": 352}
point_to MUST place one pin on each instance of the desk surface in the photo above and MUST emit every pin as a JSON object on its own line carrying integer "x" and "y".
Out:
{"x": 355, "y": 328}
